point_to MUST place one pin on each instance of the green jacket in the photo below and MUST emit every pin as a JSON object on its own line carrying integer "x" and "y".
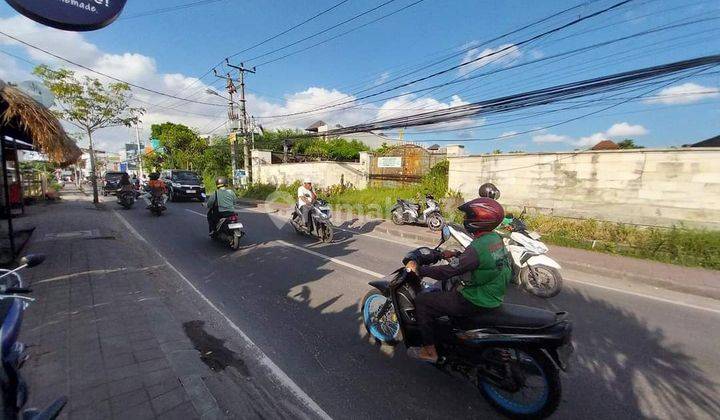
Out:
{"x": 225, "y": 200}
{"x": 488, "y": 282}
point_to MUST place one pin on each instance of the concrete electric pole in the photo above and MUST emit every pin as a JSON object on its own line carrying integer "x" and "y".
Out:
{"x": 232, "y": 117}
{"x": 244, "y": 123}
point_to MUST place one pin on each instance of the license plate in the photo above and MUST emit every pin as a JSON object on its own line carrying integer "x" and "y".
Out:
{"x": 190, "y": 191}
{"x": 235, "y": 226}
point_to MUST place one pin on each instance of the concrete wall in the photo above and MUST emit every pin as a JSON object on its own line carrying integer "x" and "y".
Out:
{"x": 323, "y": 174}
{"x": 646, "y": 187}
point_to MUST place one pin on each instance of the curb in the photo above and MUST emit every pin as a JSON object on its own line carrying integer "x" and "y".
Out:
{"x": 707, "y": 292}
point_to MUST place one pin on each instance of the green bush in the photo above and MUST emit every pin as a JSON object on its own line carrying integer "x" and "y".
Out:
{"x": 676, "y": 245}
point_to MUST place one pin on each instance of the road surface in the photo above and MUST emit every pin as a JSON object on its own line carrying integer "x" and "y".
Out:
{"x": 298, "y": 300}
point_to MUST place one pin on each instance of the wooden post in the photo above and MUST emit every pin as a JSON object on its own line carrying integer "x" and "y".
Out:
{"x": 6, "y": 191}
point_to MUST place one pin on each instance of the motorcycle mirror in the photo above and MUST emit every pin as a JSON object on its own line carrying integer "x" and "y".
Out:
{"x": 32, "y": 260}
{"x": 445, "y": 235}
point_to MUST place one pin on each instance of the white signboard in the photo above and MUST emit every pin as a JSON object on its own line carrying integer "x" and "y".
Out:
{"x": 390, "y": 162}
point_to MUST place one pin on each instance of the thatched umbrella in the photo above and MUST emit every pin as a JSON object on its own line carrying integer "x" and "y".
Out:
{"x": 24, "y": 118}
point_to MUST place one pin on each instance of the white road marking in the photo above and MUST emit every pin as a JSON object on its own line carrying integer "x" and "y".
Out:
{"x": 335, "y": 260}
{"x": 262, "y": 358}
{"x": 627, "y": 292}
{"x": 91, "y": 272}
{"x": 196, "y": 212}
{"x": 659, "y": 299}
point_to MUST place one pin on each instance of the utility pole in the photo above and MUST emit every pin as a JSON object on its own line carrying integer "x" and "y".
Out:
{"x": 232, "y": 117}
{"x": 244, "y": 122}
{"x": 138, "y": 155}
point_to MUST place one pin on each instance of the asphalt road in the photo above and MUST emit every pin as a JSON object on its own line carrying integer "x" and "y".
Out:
{"x": 298, "y": 300}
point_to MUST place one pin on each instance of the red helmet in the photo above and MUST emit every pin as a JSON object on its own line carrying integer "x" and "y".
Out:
{"x": 482, "y": 214}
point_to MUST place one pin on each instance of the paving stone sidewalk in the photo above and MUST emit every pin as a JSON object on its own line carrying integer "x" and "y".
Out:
{"x": 119, "y": 333}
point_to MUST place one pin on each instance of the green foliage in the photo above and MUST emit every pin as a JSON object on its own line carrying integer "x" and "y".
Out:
{"x": 332, "y": 149}
{"x": 183, "y": 148}
{"x": 629, "y": 144}
{"x": 273, "y": 139}
{"x": 435, "y": 182}
{"x": 676, "y": 245}
{"x": 88, "y": 103}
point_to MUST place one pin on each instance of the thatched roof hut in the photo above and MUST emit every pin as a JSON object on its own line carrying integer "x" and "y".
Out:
{"x": 23, "y": 118}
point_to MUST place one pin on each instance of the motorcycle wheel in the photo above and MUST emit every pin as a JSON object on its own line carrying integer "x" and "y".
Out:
{"x": 435, "y": 222}
{"x": 294, "y": 223}
{"x": 386, "y": 330}
{"x": 515, "y": 403}
{"x": 545, "y": 282}
{"x": 397, "y": 218}
{"x": 235, "y": 243}
{"x": 327, "y": 233}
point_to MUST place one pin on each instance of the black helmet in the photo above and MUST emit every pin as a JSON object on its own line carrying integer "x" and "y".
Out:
{"x": 489, "y": 190}
{"x": 221, "y": 181}
{"x": 154, "y": 176}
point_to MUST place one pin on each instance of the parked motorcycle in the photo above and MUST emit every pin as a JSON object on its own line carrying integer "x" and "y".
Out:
{"x": 13, "y": 303}
{"x": 320, "y": 224}
{"x": 405, "y": 212}
{"x": 229, "y": 230}
{"x": 513, "y": 354}
{"x": 126, "y": 198}
{"x": 532, "y": 269}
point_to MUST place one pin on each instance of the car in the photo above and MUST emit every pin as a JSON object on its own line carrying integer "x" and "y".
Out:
{"x": 112, "y": 182}
{"x": 183, "y": 184}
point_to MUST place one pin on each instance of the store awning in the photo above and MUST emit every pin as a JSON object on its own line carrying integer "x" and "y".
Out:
{"x": 24, "y": 119}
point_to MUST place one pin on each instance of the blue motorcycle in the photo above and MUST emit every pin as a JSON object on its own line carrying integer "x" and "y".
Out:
{"x": 13, "y": 303}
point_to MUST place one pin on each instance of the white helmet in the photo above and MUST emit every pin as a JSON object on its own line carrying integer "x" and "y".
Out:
{"x": 307, "y": 181}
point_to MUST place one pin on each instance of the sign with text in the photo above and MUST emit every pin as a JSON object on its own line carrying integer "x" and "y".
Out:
{"x": 71, "y": 15}
{"x": 390, "y": 162}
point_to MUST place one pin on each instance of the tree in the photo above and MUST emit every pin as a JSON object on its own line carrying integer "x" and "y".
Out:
{"x": 629, "y": 144}
{"x": 182, "y": 145}
{"x": 90, "y": 105}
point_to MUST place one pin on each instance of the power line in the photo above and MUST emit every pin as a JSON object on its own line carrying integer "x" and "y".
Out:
{"x": 169, "y": 9}
{"x": 340, "y": 34}
{"x": 463, "y": 64}
{"x": 59, "y": 57}
{"x": 292, "y": 44}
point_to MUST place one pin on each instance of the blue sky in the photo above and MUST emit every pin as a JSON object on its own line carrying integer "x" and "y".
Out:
{"x": 168, "y": 51}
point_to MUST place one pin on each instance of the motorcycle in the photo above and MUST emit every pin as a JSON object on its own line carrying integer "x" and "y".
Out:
{"x": 406, "y": 212}
{"x": 126, "y": 198}
{"x": 532, "y": 269}
{"x": 507, "y": 353}
{"x": 229, "y": 230}
{"x": 157, "y": 204}
{"x": 13, "y": 304}
{"x": 320, "y": 223}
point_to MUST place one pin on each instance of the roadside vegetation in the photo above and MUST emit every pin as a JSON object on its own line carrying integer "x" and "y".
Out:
{"x": 676, "y": 245}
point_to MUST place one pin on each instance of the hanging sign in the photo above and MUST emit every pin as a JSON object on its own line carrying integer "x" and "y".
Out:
{"x": 71, "y": 15}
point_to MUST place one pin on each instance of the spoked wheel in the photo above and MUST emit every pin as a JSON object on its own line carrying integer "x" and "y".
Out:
{"x": 397, "y": 218}
{"x": 526, "y": 386}
{"x": 435, "y": 222}
{"x": 384, "y": 329}
{"x": 541, "y": 280}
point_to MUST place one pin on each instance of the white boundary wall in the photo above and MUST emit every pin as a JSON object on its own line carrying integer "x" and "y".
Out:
{"x": 645, "y": 186}
{"x": 323, "y": 174}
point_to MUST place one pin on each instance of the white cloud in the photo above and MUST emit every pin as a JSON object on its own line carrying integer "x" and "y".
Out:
{"x": 142, "y": 70}
{"x": 508, "y": 134}
{"x": 624, "y": 129}
{"x": 684, "y": 94}
{"x": 617, "y": 131}
{"x": 550, "y": 138}
{"x": 510, "y": 53}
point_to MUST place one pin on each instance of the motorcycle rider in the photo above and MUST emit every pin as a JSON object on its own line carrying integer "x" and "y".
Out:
{"x": 220, "y": 204}
{"x": 484, "y": 265}
{"x": 306, "y": 198}
{"x": 125, "y": 186}
{"x": 156, "y": 186}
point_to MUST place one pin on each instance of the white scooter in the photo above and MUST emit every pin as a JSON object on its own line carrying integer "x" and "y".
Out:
{"x": 535, "y": 271}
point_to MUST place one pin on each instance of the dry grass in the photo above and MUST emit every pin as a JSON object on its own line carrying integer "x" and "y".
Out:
{"x": 43, "y": 127}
